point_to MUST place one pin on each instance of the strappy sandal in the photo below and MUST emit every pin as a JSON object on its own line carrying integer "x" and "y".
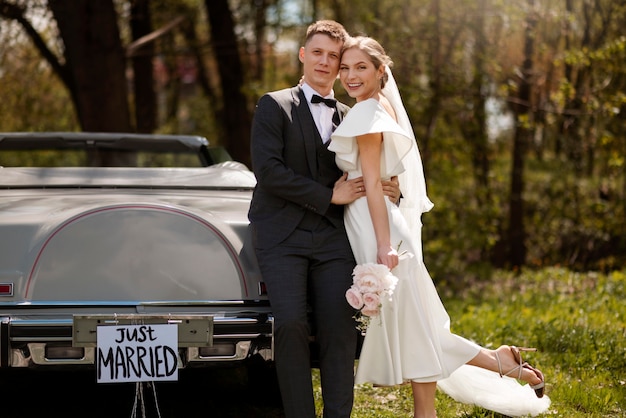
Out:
{"x": 516, "y": 351}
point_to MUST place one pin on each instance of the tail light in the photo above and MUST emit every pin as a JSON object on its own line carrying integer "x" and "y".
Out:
{"x": 6, "y": 289}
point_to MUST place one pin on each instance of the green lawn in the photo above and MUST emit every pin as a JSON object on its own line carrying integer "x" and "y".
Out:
{"x": 577, "y": 321}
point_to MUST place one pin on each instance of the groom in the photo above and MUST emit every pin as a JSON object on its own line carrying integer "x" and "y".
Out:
{"x": 296, "y": 219}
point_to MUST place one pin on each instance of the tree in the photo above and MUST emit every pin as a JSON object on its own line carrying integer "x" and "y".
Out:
{"x": 235, "y": 114}
{"x": 95, "y": 66}
{"x": 142, "y": 62}
{"x": 92, "y": 64}
{"x": 516, "y": 231}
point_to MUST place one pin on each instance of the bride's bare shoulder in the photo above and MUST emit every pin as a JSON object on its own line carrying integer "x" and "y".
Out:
{"x": 387, "y": 106}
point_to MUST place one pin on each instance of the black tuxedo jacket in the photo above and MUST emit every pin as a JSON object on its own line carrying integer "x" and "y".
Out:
{"x": 284, "y": 160}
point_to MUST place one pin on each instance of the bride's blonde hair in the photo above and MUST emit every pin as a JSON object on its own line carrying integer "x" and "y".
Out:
{"x": 374, "y": 51}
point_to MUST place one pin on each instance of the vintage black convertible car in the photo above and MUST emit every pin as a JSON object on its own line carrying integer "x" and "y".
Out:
{"x": 126, "y": 229}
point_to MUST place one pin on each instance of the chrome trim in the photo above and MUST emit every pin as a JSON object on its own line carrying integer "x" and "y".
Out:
{"x": 38, "y": 356}
{"x": 234, "y": 320}
{"x": 231, "y": 336}
{"x": 266, "y": 354}
{"x": 19, "y": 359}
{"x": 34, "y": 354}
{"x": 47, "y": 323}
{"x": 242, "y": 348}
{"x": 226, "y": 320}
{"x": 59, "y": 322}
{"x": 135, "y": 303}
{"x": 48, "y": 339}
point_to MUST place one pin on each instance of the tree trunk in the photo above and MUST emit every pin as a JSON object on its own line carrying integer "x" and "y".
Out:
{"x": 434, "y": 105}
{"x": 235, "y": 117}
{"x": 143, "y": 80}
{"x": 260, "y": 24}
{"x": 96, "y": 62}
{"x": 516, "y": 231}
{"x": 476, "y": 129}
{"x": 189, "y": 32}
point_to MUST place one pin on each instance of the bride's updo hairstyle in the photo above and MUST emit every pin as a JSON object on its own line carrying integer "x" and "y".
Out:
{"x": 374, "y": 51}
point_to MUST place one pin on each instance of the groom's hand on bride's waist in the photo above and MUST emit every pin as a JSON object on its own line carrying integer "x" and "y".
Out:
{"x": 391, "y": 189}
{"x": 347, "y": 191}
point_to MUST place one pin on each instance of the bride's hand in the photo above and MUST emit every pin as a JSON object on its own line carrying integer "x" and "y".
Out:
{"x": 388, "y": 256}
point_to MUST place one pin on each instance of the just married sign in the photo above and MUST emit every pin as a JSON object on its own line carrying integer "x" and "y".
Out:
{"x": 137, "y": 353}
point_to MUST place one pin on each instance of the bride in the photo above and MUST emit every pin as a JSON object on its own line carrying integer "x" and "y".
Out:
{"x": 411, "y": 340}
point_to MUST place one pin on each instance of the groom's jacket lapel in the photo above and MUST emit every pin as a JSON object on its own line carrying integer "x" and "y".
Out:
{"x": 307, "y": 127}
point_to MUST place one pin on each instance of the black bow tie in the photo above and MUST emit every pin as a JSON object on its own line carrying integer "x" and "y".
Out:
{"x": 328, "y": 102}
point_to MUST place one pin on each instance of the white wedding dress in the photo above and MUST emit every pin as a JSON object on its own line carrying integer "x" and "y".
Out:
{"x": 411, "y": 339}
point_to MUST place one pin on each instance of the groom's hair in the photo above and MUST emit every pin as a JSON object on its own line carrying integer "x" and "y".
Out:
{"x": 334, "y": 30}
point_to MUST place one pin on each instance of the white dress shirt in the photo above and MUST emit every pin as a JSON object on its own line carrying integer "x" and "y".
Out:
{"x": 322, "y": 114}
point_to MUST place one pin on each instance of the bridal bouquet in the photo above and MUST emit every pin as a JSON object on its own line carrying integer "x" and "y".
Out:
{"x": 371, "y": 282}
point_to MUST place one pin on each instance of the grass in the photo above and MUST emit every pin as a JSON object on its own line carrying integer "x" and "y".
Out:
{"x": 577, "y": 321}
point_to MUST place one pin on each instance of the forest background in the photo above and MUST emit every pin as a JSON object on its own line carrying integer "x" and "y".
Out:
{"x": 519, "y": 106}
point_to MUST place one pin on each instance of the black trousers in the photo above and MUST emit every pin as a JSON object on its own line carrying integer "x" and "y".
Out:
{"x": 312, "y": 267}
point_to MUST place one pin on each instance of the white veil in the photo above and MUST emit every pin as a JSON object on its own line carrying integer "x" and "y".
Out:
{"x": 414, "y": 200}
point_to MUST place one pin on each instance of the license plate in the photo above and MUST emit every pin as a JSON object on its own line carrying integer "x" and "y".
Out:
{"x": 193, "y": 330}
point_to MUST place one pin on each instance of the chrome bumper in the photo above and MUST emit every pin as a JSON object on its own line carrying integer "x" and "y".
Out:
{"x": 46, "y": 342}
